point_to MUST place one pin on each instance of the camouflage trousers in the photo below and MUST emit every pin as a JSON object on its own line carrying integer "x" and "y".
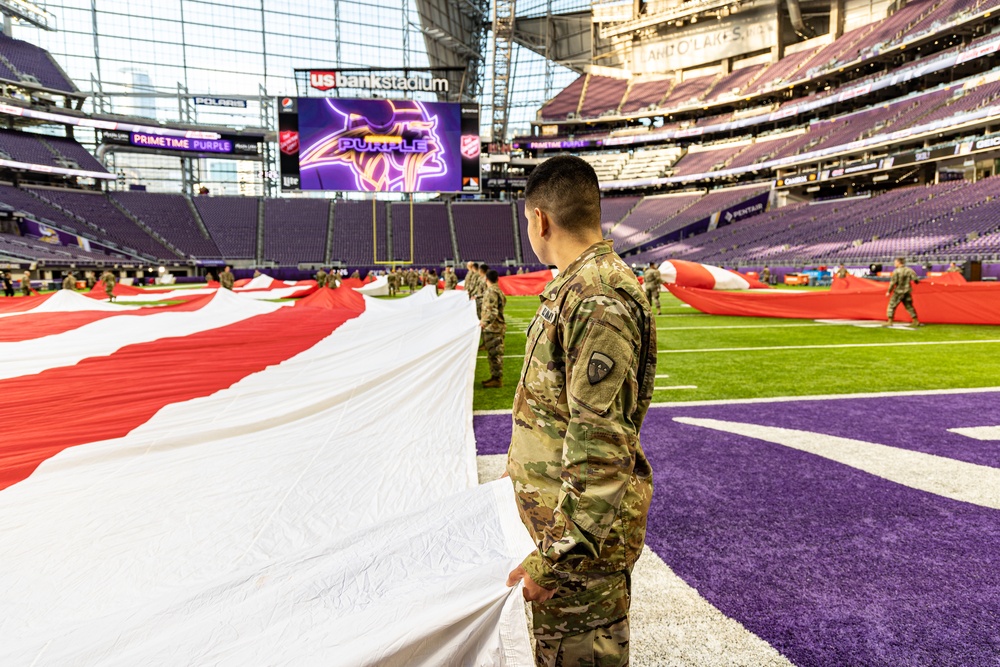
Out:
{"x": 493, "y": 340}
{"x": 653, "y": 296}
{"x": 585, "y": 624}
{"x": 906, "y": 300}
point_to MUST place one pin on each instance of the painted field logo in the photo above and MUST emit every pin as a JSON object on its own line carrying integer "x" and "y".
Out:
{"x": 288, "y": 140}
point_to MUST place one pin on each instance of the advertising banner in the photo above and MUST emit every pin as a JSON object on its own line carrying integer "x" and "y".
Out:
{"x": 375, "y": 145}
{"x": 708, "y": 42}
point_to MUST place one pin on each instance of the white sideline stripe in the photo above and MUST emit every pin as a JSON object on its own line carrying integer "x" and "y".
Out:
{"x": 978, "y": 432}
{"x": 824, "y": 397}
{"x": 672, "y": 624}
{"x": 680, "y": 386}
{"x": 658, "y": 377}
{"x": 942, "y": 476}
{"x": 502, "y": 411}
{"x": 740, "y": 326}
{"x": 779, "y": 348}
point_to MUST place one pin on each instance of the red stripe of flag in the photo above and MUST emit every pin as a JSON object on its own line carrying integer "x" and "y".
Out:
{"x": 102, "y": 397}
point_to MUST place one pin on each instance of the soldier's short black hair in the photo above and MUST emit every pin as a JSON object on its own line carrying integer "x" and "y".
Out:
{"x": 492, "y": 276}
{"x": 901, "y": 260}
{"x": 567, "y": 189}
{"x": 475, "y": 265}
{"x": 484, "y": 268}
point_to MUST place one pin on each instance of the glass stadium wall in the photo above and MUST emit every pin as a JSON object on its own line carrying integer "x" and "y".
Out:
{"x": 147, "y": 57}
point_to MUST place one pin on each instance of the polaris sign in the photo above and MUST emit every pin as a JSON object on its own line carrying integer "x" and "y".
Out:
{"x": 330, "y": 79}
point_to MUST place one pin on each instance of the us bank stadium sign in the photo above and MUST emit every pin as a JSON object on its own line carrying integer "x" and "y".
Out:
{"x": 373, "y": 82}
{"x": 707, "y": 42}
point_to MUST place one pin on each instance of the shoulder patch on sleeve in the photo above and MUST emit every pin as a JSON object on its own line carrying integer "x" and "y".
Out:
{"x": 604, "y": 359}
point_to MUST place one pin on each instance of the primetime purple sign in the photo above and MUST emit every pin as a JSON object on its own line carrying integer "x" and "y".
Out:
{"x": 146, "y": 140}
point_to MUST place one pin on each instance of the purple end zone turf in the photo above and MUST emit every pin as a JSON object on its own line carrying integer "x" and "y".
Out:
{"x": 830, "y": 565}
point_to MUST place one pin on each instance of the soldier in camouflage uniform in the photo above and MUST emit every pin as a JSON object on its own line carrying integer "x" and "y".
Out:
{"x": 450, "y": 279}
{"x": 900, "y": 291}
{"x": 227, "y": 279}
{"x": 391, "y": 280}
{"x": 411, "y": 280}
{"x": 333, "y": 279}
{"x": 953, "y": 268}
{"x": 651, "y": 280}
{"x": 69, "y": 282}
{"x": 321, "y": 278}
{"x": 472, "y": 279}
{"x": 26, "y": 283}
{"x": 841, "y": 272}
{"x": 108, "y": 279}
{"x": 582, "y": 482}
{"x": 494, "y": 328}
{"x": 432, "y": 279}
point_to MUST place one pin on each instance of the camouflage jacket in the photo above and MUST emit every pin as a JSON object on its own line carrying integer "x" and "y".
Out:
{"x": 69, "y": 282}
{"x": 450, "y": 280}
{"x": 494, "y": 302}
{"x": 321, "y": 278}
{"x": 472, "y": 284}
{"x": 902, "y": 279}
{"x": 227, "y": 280}
{"x": 109, "y": 282}
{"x": 582, "y": 482}
{"x": 650, "y": 278}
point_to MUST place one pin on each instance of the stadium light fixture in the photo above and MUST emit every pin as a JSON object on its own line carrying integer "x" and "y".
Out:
{"x": 28, "y": 12}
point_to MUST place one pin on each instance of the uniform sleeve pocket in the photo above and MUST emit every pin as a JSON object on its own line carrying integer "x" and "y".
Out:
{"x": 600, "y": 367}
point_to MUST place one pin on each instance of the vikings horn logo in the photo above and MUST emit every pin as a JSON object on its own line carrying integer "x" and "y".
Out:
{"x": 395, "y": 156}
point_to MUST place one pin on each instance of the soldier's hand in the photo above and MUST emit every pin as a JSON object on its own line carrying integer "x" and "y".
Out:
{"x": 532, "y": 591}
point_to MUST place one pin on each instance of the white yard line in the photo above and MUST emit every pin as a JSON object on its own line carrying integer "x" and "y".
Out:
{"x": 825, "y": 397}
{"x": 680, "y": 386}
{"x": 741, "y": 326}
{"x": 978, "y": 432}
{"x": 942, "y": 476}
{"x": 779, "y": 348}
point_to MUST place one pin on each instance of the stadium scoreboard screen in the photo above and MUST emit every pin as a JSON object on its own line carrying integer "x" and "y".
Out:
{"x": 378, "y": 145}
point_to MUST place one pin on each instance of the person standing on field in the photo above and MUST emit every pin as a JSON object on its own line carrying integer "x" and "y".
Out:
{"x": 582, "y": 482}
{"x": 901, "y": 291}
{"x": 108, "y": 280}
{"x": 651, "y": 280}
{"x": 227, "y": 279}
{"x": 494, "y": 328}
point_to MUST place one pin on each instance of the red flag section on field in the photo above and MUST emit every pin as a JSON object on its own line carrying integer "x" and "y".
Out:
{"x": 972, "y": 303}
{"x": 526, "y": 284}
{"x": 230, "y": 463}
{"x": 705, "y": 276}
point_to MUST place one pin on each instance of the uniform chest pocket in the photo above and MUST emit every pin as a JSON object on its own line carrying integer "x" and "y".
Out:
{"x": 544, "y": 371}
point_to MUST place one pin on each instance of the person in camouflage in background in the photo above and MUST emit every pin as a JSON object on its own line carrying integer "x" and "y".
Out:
{"x": 411, "y": 280}
{"x": 581, "y": 480}
{"x": 391, "y": 280}
{"x": 321, "y": 278}
{"x": 472, "y": 281}
{"x": 494, "y": 328}
{"x": 227, "y": 279}
{"x": 901, "y": 291}
{"x": 108, "y": 279}
{"x": 450, "y": 278}
{"x": 651, "y": 280}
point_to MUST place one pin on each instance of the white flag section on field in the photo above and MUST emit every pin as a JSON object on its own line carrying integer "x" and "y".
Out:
{"x": 322, "y": 511}
{"x": 377, "y": 287}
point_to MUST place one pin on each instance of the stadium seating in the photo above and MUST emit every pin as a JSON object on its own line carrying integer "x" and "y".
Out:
{"x": 648, "y": 163}
{"x": 431, "y": 233}
{"x": 565, "y": 103}
{"x": 295, "y": 230}
{"x": 26, "y": 147}
{"x": 232, "y": 223}
{"x": 20, "y": 247}
{"x": 708, "y": 159}
{"x": 649, "y": 213}
{"x": 169, "y": 216}
{"x": 603, "y": 94}
{"x": 33, "y": 207}
{"x": 950, "y": 219}
{"x": 33, "y": 63}
{"x": 352, "y": 232}
{"x": 485, "y": 231}
{"x": 71, "y": 150}
{"x": 646, "y": 94}
{"x": 96, "y": 209}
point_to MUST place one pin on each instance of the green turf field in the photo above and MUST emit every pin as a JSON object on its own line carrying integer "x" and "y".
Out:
{"x": 715, "y": 357}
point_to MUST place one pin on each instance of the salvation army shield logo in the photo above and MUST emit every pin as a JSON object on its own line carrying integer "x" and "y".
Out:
{"x": 599, "y": 367}
{"x": 289, "y": 141}
{"x": 470, "y": 146}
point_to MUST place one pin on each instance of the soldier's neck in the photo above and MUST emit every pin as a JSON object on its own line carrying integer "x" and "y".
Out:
{"x": 569, "y": 248}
